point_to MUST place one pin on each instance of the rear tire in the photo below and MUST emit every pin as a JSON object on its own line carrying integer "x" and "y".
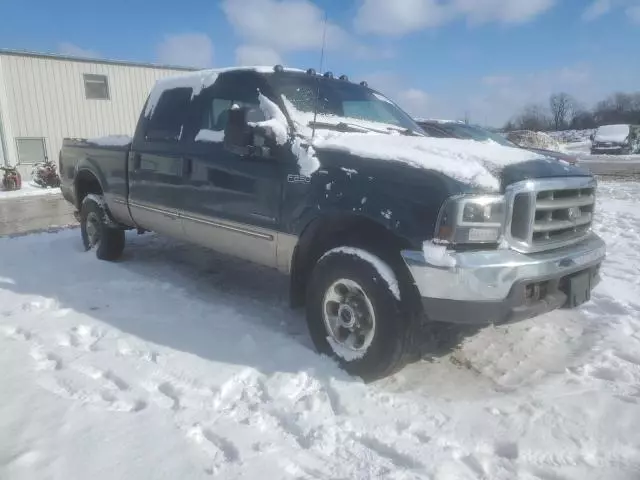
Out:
{"x": 98, "y": 231}
{"x": 346, "y": 284}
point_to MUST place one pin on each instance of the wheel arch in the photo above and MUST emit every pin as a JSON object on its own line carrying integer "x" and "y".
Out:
{"x": 332, "y": 231}
{"x": 86, "y": 182}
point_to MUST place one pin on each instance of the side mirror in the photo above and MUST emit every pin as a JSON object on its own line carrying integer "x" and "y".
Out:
{"x": 237, "y": 133}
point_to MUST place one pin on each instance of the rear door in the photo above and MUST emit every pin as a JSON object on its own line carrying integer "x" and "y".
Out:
{"x": 231, "y": 201}
{"x": 156, "y": 164}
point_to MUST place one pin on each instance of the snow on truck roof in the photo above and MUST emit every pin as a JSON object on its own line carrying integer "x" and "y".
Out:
{"x": 199, "y": 80}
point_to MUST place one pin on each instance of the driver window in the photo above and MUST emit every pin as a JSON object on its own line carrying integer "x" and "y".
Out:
{"x": 232, "y": 89}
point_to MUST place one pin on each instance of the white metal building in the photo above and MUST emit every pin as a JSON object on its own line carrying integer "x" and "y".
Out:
{"x": 44, "y": 98}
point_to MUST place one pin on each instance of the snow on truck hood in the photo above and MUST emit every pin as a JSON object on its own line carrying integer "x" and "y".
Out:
{"x": 612, "y": 133}
{"x": 468, "y": 161}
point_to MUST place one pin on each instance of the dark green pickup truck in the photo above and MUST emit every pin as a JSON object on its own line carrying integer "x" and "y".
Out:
{"x": 383, "y": 230}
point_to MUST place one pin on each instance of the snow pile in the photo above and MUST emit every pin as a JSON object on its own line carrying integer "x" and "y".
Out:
{"x": 464, "y": 160}
{"x": 28, "y": 189}
{"x": 572, "y": 136}
{"x": 384, "y": 270}
{"x": 111, "y": 141}
{"x": 276, "y": 121}
{"x": 612, "y": 133}
{"x": 531, "y": 139}
{"x": 306, "y": 155}
{"x": 179, "y": 363}
{"x": 438, "y": 255}
{"x": 212, "y": 136}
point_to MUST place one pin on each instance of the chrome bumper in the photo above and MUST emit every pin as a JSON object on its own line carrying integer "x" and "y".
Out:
{"x": 492, "y": 286}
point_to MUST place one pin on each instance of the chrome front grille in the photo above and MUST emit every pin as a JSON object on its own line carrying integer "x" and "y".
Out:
{"x": 551, "y": 213}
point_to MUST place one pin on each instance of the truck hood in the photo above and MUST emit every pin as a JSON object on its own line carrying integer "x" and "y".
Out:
{"x": 484, "y": 166}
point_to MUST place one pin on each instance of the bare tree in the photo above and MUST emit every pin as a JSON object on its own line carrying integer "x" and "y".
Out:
{"x": 533, "y": 117}
{"x": 562, "y": 106}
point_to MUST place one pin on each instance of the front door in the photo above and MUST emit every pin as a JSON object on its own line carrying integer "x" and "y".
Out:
{"x": 156, "y": 165}
{"x": 231, "y": 201}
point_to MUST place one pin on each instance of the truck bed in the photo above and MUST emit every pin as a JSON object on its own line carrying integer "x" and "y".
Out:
{"x": 105, "y": 158}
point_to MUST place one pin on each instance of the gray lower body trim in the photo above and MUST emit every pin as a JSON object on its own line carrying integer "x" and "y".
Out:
{"x": 235, "y": 227}
{"x": 256, "y": 244}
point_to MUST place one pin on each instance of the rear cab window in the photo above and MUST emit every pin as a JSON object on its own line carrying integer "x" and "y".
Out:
{"x": 169, "y": 115}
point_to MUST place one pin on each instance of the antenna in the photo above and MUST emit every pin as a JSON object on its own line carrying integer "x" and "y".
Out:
{"x": 315, "y": 106}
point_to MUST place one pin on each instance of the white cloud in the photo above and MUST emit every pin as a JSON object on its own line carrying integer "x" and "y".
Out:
{"x": 412, "y": 99}
{"x": 399, "y": 17}
{"x": 283, "y": 25}
{"x": 503, "y": 96}
{"x": 492, "y": 99}
{"x": 633, "y": 13}
{"x": 67, "y": 48}
{"x": 257, "y": 55}
{"x": 503, "y": 11}
{"x": 596, "y": 9}
{"x": 186, "y": 49}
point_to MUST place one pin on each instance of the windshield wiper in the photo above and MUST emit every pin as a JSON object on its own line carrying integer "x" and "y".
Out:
{"x": 345, "y": 127}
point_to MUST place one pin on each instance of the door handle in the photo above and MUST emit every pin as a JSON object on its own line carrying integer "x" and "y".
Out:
{"x": 187, "y": 167}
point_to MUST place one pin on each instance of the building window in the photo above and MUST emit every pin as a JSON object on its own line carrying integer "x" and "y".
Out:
{"x": 96, "y": 87}
{"x": 31, "y": 150}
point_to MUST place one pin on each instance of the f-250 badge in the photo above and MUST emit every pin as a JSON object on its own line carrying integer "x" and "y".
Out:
{"x": 298, "y": 179}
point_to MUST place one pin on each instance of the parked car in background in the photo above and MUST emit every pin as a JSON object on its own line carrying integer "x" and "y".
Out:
{"x": 616, "y": 139}
{"x": 457, "y": 129}
{"x": 383, "y": 231}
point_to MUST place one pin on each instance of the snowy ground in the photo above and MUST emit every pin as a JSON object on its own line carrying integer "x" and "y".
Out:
{"x": 178, "y": 363}
{"x": 28, "y": 190}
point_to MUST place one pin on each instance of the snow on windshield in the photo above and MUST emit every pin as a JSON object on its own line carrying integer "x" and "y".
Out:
{"x": 464, "y": 160}
{"x": 303, "y": 120}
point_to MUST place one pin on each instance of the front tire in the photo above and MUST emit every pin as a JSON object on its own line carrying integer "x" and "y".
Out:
{"x": 98, "y": 230}
{"x": 354, "y": 313}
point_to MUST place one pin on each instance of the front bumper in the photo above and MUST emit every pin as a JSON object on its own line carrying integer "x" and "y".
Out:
{"x": 612, "y": 150}
{"x": 501, "y": 286}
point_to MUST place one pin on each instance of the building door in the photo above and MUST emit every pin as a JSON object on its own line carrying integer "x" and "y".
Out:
{"x": 31, "y": 150}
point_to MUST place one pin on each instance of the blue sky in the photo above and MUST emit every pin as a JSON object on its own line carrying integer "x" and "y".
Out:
{"x": 438, "y": 58}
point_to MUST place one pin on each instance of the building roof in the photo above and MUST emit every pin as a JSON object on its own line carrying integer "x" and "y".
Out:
{"x": 55, "y": 56}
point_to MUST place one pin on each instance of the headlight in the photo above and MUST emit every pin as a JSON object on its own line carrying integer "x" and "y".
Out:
{"x": 471, "y": 219}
